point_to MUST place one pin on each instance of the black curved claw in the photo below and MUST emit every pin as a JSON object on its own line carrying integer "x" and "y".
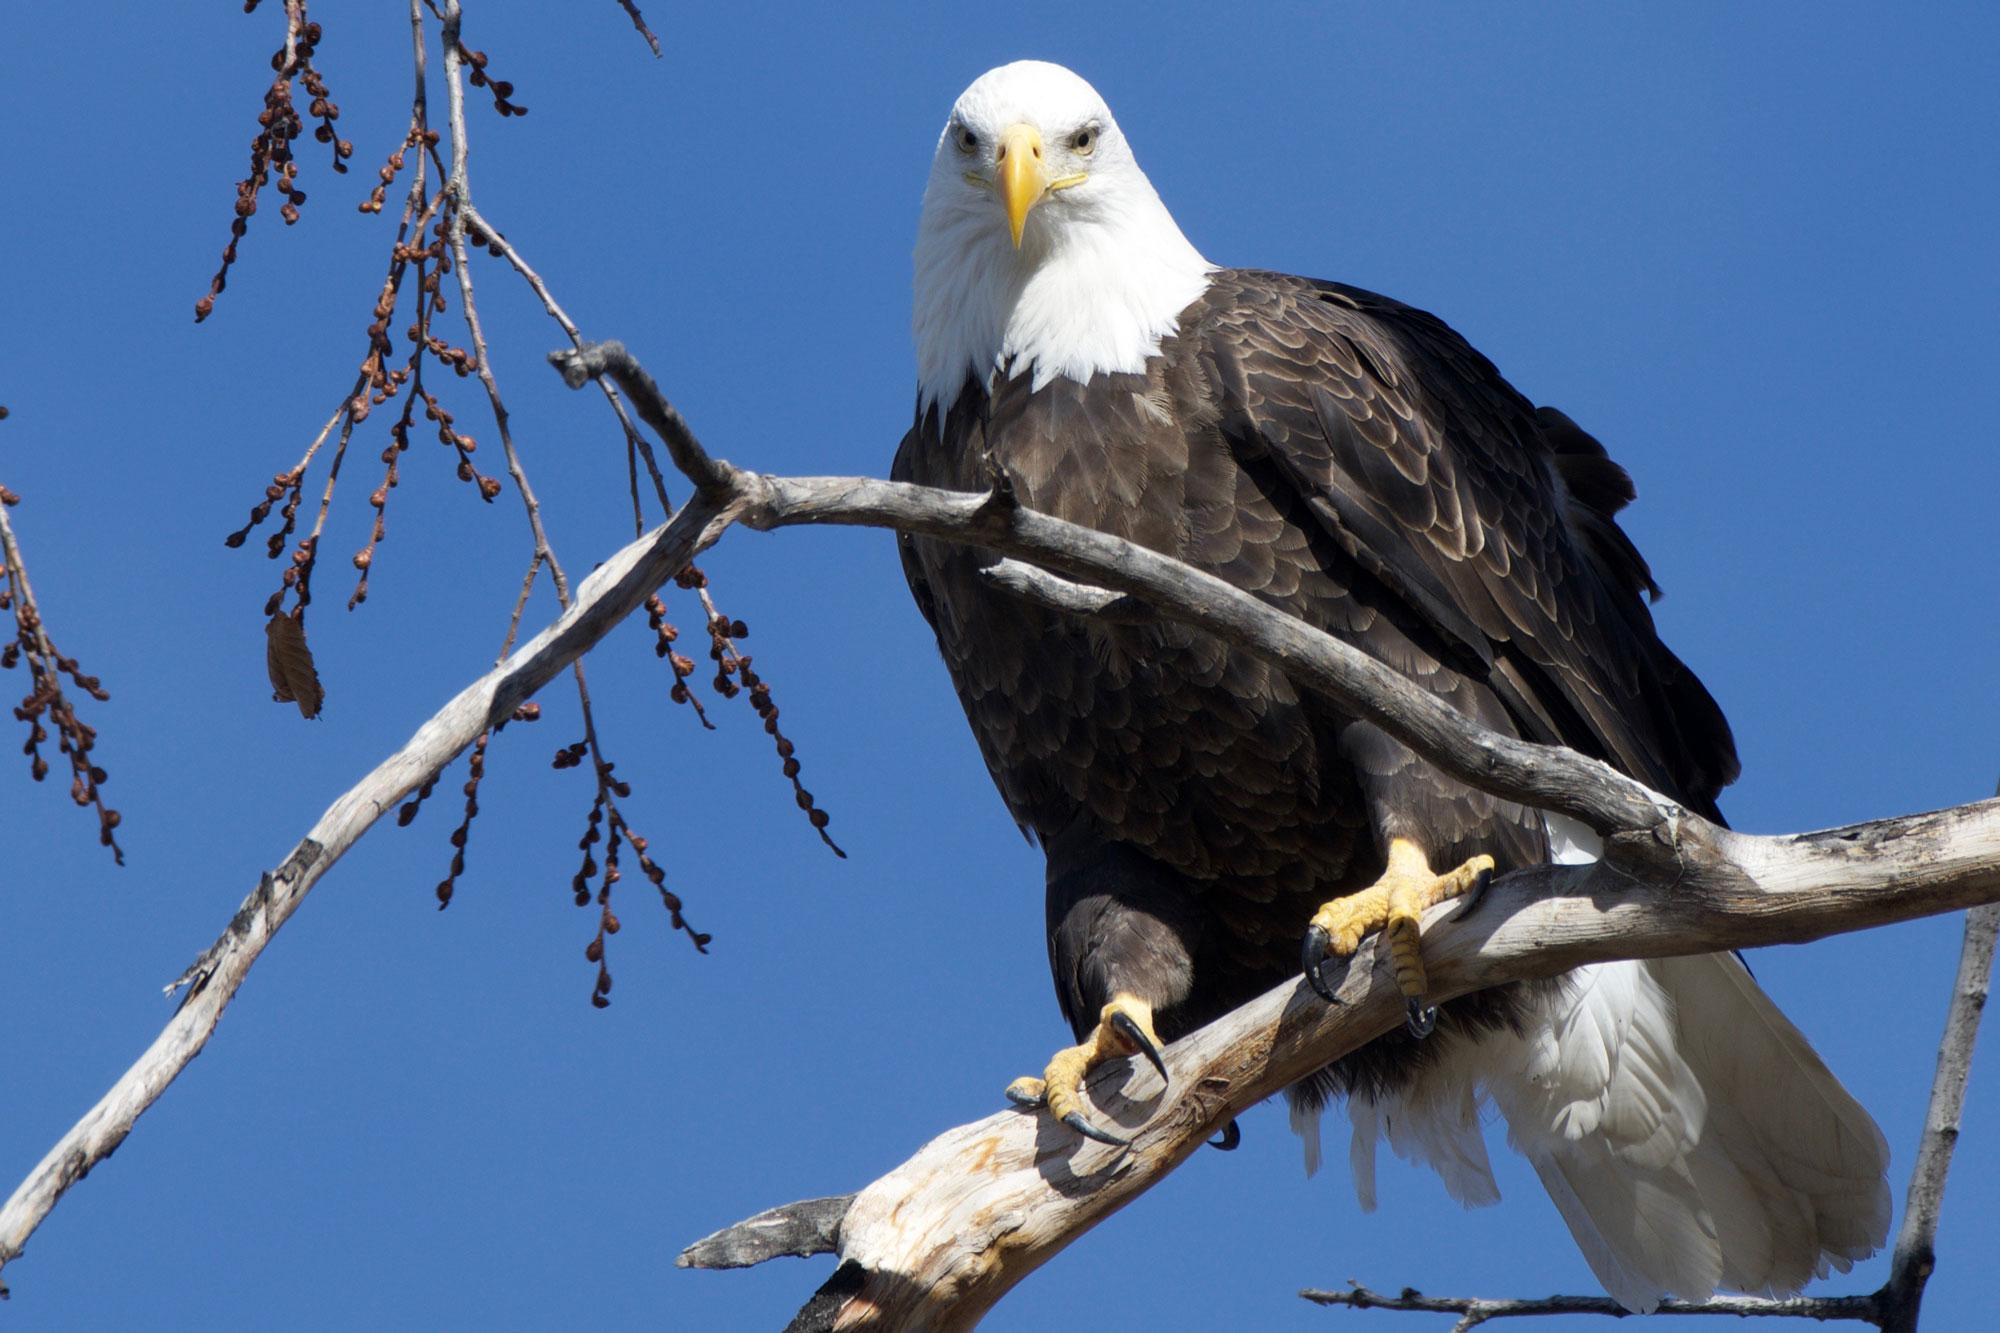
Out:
{"x": 1128, "y": 1028}
{"x": 1312, "y": 961}
{"x": 1469, "y": 902}
{"x": 1023, "y": 1099}
{"x": 1228, "y": 1139}
{"x": 1420, "y": 1018}
{"x": 1076, "y": 1122}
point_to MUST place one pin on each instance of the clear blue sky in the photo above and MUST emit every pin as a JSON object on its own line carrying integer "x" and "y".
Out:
{"x": 1750, "y": 247}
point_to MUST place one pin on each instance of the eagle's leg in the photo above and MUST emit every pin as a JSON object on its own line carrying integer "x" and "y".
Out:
{"x": 1123, "y": 929}
{"x": 1124, "y": 1027}
{"x": 1394, "y": 904}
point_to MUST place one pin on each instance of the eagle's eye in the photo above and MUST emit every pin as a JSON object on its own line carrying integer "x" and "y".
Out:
{"x": 1084, "y": 141}
{"x": 966, "y": 139}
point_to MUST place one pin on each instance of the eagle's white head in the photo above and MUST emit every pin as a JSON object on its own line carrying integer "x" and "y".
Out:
{"x": 1042, "y": 245}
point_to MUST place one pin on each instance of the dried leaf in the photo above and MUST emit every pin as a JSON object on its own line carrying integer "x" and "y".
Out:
{"x": 290, "y": 663}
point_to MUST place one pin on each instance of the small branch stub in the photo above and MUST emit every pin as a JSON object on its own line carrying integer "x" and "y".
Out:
{"x": 809, "y": 1227}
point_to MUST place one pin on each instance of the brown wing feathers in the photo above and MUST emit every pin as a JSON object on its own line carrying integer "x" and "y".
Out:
{"x": 1493, "y": 520}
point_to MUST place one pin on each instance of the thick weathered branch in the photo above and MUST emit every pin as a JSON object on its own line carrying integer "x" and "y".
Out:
{"x": 942, "y": 1237}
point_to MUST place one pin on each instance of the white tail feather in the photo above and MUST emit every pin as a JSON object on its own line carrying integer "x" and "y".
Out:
{"x": 1305, "y": 1124}
{"x": 1433, "y": 1120}
{"x": 1801, "y": 1142}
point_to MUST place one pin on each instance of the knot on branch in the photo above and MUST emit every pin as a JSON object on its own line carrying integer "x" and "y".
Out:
{"x": 578, "y": 366}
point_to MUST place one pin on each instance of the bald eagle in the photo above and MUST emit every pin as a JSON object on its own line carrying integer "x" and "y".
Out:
{"x": 1208, "y": 825}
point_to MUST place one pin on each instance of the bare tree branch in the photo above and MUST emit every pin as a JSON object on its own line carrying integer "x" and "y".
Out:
{"x": 943, "y": 1237}
{"x": 1916, "y": 1244}
{"x": 1547, "y": 778}
{"x": 588, "y": 361}
{"x": 937, "y": 1241}
{"x": 1476, "y": 1310}
{"x": 606, "y": 597}
{"x": 639, "y": 22}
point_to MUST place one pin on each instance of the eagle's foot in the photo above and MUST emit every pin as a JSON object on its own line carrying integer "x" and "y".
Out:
{"x": 1394, "y": 904}
{"x": 1124, "y": 1027}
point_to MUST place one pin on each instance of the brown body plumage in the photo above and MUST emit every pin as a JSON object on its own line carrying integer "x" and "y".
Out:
{"x": 1355, "y": 463}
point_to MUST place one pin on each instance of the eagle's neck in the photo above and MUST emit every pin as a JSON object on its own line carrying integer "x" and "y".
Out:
{"x": 1094, "y": 289}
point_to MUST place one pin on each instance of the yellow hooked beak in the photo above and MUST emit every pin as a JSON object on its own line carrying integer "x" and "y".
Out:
{"x": 1019, "y": 177}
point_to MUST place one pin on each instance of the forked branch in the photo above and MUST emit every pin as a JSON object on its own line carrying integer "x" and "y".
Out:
{"x": 610, "y": 594}
{"x": 934, "y": 1243}
{"x": 940, "y": 1239}
{"x": 937, "y": 1241}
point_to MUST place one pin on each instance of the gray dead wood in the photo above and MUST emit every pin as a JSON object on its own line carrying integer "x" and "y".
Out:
{"x": 811, "y": 1226}
{"x": 945, "y": 1235}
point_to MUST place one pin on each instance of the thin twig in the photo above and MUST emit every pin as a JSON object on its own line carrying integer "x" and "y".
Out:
{"x": 1476, "y": 1310}
{"x": 520, "y": 605}
{"x": 1045, "y": 589}
{"x": 46, "y": 697}
{"x": 1916, "y": 1244}
{"x": 491, "y": 237}
{"x": 640, "y": 23}
{"x": 460, "y": 189}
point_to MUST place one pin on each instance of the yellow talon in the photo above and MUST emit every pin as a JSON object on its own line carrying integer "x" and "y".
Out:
{"x": 1394, "y": 904}
{"x": 1124, "y": 1027}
